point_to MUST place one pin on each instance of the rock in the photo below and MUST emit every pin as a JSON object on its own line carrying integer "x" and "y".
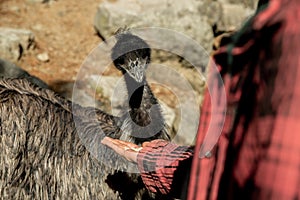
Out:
{"x": 13, "y": 42}
{"x": 245, "y": 3}
{"x": 10, "y": 47}
{"x": 15, "y": 9}
{"x": 85, "y": 100}
{"x": 186, "y": 124}
{"x": 194, "y": 18}
{"x": 10, "y": 70}
{"x": 26, "y": 37}
{"x": 38, "y": 27}
{"x": 113, "y": 88}
{"x": 169, "y": 114}
{"x": 211, "y": 10}
{"x": 233, "y": 16}
{"x": 176, "y": 15}
{"x": 107, "y": 84}
{"x": 79, "y": 96}
{"x": 187, "y": 102}
{"x": 44, "y": 57}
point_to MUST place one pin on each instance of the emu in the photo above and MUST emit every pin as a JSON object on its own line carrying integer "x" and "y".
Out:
{"x": 43, "y": 141}
{"x": 143, "y": 121}
{"x": 42, "y": 156}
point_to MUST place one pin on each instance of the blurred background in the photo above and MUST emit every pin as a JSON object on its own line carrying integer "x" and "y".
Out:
{"x": 48, "y": 40}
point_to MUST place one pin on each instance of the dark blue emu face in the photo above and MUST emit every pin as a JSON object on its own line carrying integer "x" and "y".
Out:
{"x": 131, "y": 55}
{"x": 143, "y": 120}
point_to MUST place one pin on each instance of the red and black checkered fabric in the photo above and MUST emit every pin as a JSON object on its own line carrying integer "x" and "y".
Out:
{"x": 258, "y": 153}
{"x": 158, "y": 162}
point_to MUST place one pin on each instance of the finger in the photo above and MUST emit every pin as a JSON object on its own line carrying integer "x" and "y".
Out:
{"x": 110, "y": 143}
{"x": 129, "y": 145}
{"x": 107, "y": 141}
{"x": 145, "y": 144}
{"x": 125, "y": 143}
{"x": 130, "y": 153}
{"x": 122, "y": 143}
{"x": 111, "y": 140}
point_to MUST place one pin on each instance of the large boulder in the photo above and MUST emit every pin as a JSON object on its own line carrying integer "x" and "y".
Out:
{"x": 196, "y": 19}
{"x": 245, "y": 3}
{"x": 14, "y": 42}
{"x": 177, "y": 15}
{"x": 233, "y": 16}
{"x": 79, "y": 96}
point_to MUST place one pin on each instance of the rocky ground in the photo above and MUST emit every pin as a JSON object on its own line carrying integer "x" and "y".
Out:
{"x": 63, "y": 31}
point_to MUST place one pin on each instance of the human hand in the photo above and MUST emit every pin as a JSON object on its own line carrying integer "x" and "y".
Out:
{"x": 126, "y": 149}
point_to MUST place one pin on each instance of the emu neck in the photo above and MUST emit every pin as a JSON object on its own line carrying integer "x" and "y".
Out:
{"x": 135, "y": 91}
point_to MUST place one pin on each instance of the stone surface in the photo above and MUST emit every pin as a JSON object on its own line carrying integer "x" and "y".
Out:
{"x": 169, "y": 114}
{"x": 233, "y": 16}
{"x": 10, "y": 70}
{"x": 194, "y": 18}
{"x": 44, "y": 57}
{"x": 186, "y": 124}
{"x": 13, "y": 42}
{"x": 10, "y": 47}
{"x": 176, "y": 15}
{"x": 79, "y": 96}
{"x": 245, "y": 3}
{"x": 210, "y": 10}
{"x": 111, "y": 87}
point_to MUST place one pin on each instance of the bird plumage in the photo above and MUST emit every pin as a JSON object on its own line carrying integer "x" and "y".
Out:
{"x": 143, "y": 121}
{"x": 51, "y": 148}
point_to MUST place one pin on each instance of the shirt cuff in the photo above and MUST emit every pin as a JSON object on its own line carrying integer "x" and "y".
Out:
{"x": 157, "y": 163}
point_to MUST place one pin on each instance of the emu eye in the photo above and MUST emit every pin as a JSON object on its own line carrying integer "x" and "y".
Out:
{"x": 120, "y": 61}
{"x": 144, "y": 55}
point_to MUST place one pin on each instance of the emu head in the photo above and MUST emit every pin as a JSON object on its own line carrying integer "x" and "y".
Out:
{"x": 131, "y": 55}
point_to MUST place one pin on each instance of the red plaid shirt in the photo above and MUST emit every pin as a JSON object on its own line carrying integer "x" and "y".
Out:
{"x": 258, "y": 153}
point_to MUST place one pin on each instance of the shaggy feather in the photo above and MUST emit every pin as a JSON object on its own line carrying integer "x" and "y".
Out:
{"x": 43, "y": 156}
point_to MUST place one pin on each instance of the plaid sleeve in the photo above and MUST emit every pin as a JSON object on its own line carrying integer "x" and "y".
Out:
{"x": 257, "y": 156}
{"x": 159, "y": 162}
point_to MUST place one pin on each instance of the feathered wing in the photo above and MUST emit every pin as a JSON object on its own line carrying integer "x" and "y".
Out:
{"x": 42, "y": 153}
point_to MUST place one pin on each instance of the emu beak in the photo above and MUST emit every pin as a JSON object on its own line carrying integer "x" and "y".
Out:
{"x": 137, "y": 70}
{"x": 137, "y": 73}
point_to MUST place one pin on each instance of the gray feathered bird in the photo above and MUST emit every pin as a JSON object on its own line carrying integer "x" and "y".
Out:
{"x": 143, "y": 121}
{"x": 51, "y": 148}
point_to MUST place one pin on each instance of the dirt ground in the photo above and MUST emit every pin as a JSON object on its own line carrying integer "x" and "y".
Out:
{"x": 63, "y": 29}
